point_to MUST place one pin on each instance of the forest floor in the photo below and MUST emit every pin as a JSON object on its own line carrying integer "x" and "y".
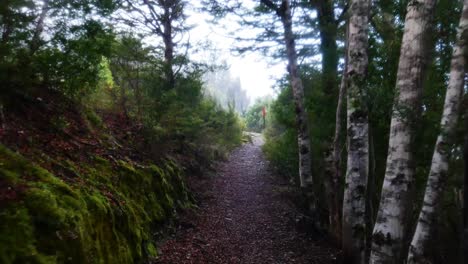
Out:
{"x": 245, "y": 215}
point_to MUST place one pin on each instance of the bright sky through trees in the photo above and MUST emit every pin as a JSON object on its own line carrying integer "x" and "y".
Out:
{"x": 256, "y": 72}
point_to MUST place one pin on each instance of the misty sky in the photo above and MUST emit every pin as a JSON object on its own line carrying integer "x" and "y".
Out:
{"x": 257, "y": 74}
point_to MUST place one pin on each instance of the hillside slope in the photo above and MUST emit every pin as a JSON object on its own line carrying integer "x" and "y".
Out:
{"x": 75, "y": 189}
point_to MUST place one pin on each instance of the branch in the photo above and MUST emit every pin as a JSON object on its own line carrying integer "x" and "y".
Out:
{"x": 153, "y": 23}
{"x": 155, "y": 16}
{"x": 343, "y": 14}
{"x": 383, "y": 27}
{"x": 270, "y": 5}
{"x": 279, "y": 11}
{"x": 176, "y": 73}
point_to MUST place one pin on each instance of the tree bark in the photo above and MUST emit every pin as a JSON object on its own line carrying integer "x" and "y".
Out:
{"x": 465, "y": 191}
{"x": 419, "y": 248}
{"x": 305, "y": 162}
{"x": 389, "y": 235}
{"x": 162, "y": 24}
{"x": 328, "y": 27}
{"x": 138, "y": 95}
{"x": 333, "y": 168}
{"x": 6, "y": 22}
{"x": 168, "y": 45}
{"x": 354, "y": 199}
{"x": 36, "y": 39}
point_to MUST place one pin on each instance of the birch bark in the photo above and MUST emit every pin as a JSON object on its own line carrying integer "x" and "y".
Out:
{"x": 333, "y": 161}
{"x": 354, "y": 199}
{"x": 305, "y": 160}
{"x": 328, "y": 27}
{"x": 305, "y": 163}
{"x": 465, "y": 187}
{"x": 388, "y": 238}
{"x": 418, "y": 251}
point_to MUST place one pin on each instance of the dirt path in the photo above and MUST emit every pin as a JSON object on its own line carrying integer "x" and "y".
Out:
{"x": 245, "y": 217}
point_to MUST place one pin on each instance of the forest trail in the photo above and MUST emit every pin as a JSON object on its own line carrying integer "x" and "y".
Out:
{"x": 245, "y": 216}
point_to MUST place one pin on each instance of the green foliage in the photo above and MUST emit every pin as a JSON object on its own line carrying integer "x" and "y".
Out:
{"x": 135, "y": 85}
{"x": 75, "y": 68}
{"x": 103, "y": 211}
{"x": 204, "y": 125}
{"x": 66, "y": 57}
{"x": 384, "y": 46}
{"x": 281, "y": 137}
{"x": 281, "y": 150}
{"x": 93, "y": 118}
{"x": 99, "y": 210}
{"x": 254, "y": 116}
{"x": 106, "y": 217}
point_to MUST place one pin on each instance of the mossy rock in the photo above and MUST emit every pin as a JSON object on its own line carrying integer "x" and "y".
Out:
{"x": 106, "y": 217}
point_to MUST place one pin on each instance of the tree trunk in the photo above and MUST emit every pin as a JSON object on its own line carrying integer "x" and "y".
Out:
{"x": 333, "y": 168}
{"x": 168, "y": 46}
{"x": 6, "y": 22}
{"x": 36, "y": 39}
{"x": 419, "y": 249}
{"x": 138, "y": 95}
{"x": 305, "y": 163}
{"x": 328, "y": 47}
{"x": 6, "y": 30}
{"x": 354, "y": 199}
{"x": 465, "y": 191}
{"x": 370, "y": 190}
{"x": 162, "y": 26}
{"x": 389, "y": 235}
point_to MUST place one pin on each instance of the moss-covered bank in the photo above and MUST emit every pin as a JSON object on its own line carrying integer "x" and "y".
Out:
{"x": 99, "y": 212}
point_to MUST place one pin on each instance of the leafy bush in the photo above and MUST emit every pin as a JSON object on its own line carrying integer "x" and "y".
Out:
{"x": 281, "y": 137}
{"x": 254, "y": 117}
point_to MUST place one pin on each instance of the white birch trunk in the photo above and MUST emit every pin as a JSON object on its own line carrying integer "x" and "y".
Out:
{"x": 333, "y": 171}
{"x": 305, "y": 163}
{"x": 465, "y": 185}
{"x": 388, "y": 238}
{"x": 354, "y": 200}
{"x": 333, "y": 160}
{"x": 418, "y": 251}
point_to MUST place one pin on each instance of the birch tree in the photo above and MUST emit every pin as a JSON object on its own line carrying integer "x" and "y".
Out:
{"x": 329, "y": 26}
{"x": 333, "y": 164}
{"x": 354, "y": 200}
{"x": 305, "y": 164}
{"x": 388, "y": 238}
{"x": 418, "y": 251}
{"x": 465, "y": 190}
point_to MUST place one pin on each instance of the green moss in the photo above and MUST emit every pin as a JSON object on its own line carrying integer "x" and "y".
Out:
{"x": 15, "y": 229}
{"x": 9, "y": 175}
{"x": 100, "y": 160}
{"x": 152, "y": 251}
{"x": 106, "y": 217}
{"x": 91, "y": 116}
{"x": 42, "y": 204}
